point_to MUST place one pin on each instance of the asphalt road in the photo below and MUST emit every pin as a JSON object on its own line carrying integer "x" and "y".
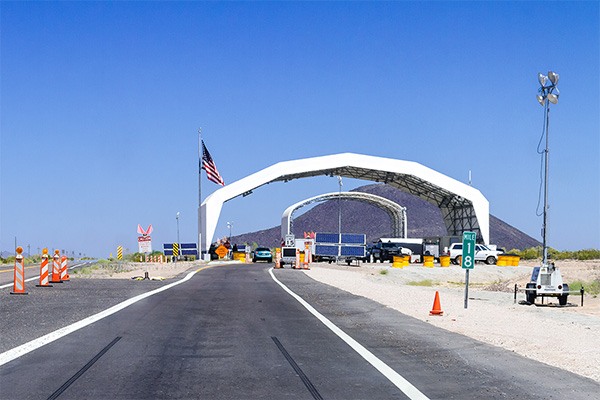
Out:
{"x": 232, "y": 333}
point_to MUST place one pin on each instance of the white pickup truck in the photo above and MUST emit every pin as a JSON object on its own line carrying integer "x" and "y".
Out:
{"x": 482, "y": 253}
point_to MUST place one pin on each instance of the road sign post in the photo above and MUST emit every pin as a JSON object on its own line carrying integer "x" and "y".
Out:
{"x": 468, "y": 259}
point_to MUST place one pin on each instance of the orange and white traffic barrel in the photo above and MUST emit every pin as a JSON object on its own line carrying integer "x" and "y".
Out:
{"x": 307, "y": 256}
{"x": 19, "y": 283}
{"x": 64, "y": 269}
{"x": 56, "y": 267}
{"x": 44, "y": 270}
{"x": 278, "y": 258}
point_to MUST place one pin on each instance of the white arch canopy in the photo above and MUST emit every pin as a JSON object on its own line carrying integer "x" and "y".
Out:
{"x": 396, "y": 212}
{"x": 463, "y": 207}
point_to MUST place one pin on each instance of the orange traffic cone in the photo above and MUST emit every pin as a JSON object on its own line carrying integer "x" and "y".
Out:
{"x": 437, "y": 309}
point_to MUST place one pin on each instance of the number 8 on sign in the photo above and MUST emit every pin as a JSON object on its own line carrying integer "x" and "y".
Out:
{"x": 468, "y": 253}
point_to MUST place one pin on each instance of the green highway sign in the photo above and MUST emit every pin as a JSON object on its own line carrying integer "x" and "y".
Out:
{"x": 468, "y": 251}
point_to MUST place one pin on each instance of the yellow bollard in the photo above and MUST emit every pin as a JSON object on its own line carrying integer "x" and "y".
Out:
{"x": 444, "y": 261}
{"x": 406, "y": 261}
{"x": 428, "y": 261}
{"x": 502, "y": 260}
{"x": 398, "y": 262}
{"x": 239, "y": 256}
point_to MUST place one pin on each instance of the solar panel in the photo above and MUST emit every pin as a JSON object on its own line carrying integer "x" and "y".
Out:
{"x": 354, "y": 251}
{"x": 353, "y": 238}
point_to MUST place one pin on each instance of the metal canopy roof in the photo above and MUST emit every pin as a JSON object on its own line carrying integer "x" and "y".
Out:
{"x": 463, "y": 207}
{"x": 396, "y": 212}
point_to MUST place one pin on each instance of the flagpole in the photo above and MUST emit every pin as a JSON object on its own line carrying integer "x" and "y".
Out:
{"x": 200, "y": 255}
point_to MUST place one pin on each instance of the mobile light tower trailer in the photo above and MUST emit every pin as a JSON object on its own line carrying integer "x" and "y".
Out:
{"x": 546, "y": 280}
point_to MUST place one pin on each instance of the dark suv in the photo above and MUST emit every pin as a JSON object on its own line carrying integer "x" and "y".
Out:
{"x": 386, "y": 251}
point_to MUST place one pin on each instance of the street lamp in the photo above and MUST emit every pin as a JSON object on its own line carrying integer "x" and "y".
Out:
{"x": 178, "y": 244}
{"x": 547, "y": 93}
{"x": 340, "y": 205}
{"x": 230, "y": 225}
{"x": 339, "y": 213}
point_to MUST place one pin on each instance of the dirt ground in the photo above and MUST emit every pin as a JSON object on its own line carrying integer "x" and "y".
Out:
{"x": 129, "y": 270}
{"x": 566, "y": 337}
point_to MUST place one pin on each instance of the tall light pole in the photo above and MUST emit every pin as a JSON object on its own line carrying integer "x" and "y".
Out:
{"x": 547, "y": 93}
{"x": 340, "y": 207}
{"x": 179, "y": 244}
{"x": 339, "y": 215}
{"x": 229, "y": 225}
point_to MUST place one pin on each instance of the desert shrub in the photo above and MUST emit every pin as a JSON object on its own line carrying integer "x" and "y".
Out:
{"x": 592, "y": 288}
{"x": 533, "y": 253}
{"x": 424, "y": 282}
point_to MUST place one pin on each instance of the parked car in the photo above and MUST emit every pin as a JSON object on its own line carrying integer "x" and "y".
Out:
{"x": 262, "y": 254}
{"x": 386, "y": 251}
{"x": 482, "y": 253}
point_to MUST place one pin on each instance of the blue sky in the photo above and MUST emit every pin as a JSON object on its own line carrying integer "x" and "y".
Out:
{"x": 101, "y": 103}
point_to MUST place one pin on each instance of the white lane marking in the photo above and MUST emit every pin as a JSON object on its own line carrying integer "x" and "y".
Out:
{"x": 19, "y": 351}
{"x": 37, "y": 277}
{"x": 398, "y": 380}
{"x": 11, "y": 284}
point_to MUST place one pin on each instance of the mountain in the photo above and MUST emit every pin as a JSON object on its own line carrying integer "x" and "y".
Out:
{"x": 424, "y": 220}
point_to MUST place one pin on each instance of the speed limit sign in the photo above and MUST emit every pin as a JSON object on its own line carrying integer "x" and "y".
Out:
{"x": 468, "y": 250}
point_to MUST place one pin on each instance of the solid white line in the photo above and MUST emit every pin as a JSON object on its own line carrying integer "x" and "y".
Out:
{"x": 398, "y": 380}
{"x": 17, "y": 352}
{"x": 26, "y": 280}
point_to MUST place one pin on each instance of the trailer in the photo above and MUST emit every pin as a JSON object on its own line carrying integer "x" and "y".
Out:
{"x": 348, "y": 247}
{"x": 546, "y": 281}
{"x": 288, "y": 255}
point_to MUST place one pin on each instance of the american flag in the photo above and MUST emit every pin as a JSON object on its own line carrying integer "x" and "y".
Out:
{"x": 209, "y": 166}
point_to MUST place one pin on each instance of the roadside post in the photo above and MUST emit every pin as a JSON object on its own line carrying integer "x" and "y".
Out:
{"x": 19, "y": 273}
{"x": 56, "y": 267}
{"x": 44, "y": 274}
{"x": 468, "y": 259}
{"x": 64, "y": 269}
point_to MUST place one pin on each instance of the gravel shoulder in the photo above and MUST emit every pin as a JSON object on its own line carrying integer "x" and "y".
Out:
{"x": 565, "y": 337}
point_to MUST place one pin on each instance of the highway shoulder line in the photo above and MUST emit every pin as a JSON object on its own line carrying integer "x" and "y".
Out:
{"x": 34, "y": 344}
{"x": 398, "y": 380}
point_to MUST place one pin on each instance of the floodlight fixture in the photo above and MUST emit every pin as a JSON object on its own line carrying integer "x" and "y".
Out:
{"x": 541, "y": 99}
{"x": 548, "y": 90}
